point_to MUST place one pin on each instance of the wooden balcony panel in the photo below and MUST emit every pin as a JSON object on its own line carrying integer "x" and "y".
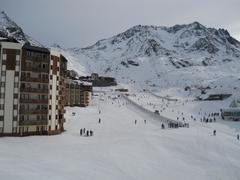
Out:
{"x": 33, "y": 122}
{"x": 34, "y": 90}
{"x": 33, "y": 111}
{"x": 37, "y": 80}
{"x": 34, "y": 101}
{"x": 35, "y": 69}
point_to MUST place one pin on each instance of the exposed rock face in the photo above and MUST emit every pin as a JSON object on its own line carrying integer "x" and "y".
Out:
{"x": 9, "y": 29}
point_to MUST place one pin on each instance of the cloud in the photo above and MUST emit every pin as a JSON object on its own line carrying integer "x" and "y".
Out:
{"x": 83, "y": 22}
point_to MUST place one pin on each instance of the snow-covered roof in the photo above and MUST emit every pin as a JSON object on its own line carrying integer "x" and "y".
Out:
{"x": 69, "y": 81}
{"x": 235, "y": 103}
{"x": 83, "y": 82}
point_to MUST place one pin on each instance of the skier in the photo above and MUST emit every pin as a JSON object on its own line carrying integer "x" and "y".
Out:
{"x": 91, "y": 132}
{"x": 163, "y": 127}
{"x": 87, "y": 134}
{"x": 81, "y": 132}
{"x": 135, "y": 121}
{"x": 214, "y": 132}
{"x": 237, "y": 136}
{"x": 99, "y": 120}
{"x": 145, "y": 121}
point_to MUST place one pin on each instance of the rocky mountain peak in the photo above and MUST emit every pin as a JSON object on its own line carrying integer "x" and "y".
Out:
{"x": 9, "y": 29}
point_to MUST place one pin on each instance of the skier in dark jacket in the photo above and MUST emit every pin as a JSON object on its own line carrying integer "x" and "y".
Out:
{"x": 237, "y": 136}
{"x": 81, "y": 131}
{"x": 163, "y": 127}
{"x": 214, "y": 132}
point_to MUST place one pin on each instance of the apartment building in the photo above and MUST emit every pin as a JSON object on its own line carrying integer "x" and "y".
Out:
{"x": 58, "y": 68}
{"x": 78, "y": 93}
{"x": 32, "y": 90}
{"x": 10, "y": 65}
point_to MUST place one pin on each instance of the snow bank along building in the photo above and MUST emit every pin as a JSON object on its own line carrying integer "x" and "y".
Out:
{"x": 233, "y": 112}
{"x": 78, "y": 93}
{"x": 32, "y": 90}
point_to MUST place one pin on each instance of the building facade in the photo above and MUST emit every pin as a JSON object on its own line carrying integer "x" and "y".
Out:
{"x": 78, "y": 93}
{"x": 232, "y": 112}
{"x": 32, "y": 81}
{"x": 10, "y": 65}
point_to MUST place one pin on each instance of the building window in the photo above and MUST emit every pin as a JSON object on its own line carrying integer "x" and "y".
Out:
{"x": 3, "y": 62}
{"x": 15, "y": 106}
{"x": 49, "y": 117}
{"x": 2, "y": 95}
{"x": 3, "y": 73}
{"x": 50, "y": 107}
{"x": 2, "y": 106}
{"x": 1, "y": 118}
{"x": 57, "y": 78}
{"x": 51, "y": 67}
{"x": 28, "y": 53}
{"x": 2, "y": 84}
{"x": 15, "y": 96}
{"x": 50, "y": 86}
{"x": 15, "y": 118}
{"x": 16, "y": 73}
{"x": 50, "y": 96}
{"x": 50, "y": 76}
{"x": 17, "y": 63}
{"x": 16, "y": 84}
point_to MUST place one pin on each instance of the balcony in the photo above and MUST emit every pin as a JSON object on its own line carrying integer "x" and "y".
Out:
{"x": 34, "y": 101}
{"x": 31, "y": 79}
{"x": 35, "y": 69}
{"x": 33, "y": 122}
{"x": 34, "y": 90}
{"x": 33, "y": 111}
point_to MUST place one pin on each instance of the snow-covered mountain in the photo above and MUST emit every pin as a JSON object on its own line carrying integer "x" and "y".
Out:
{"x": 193, "y": 42}
{"x": 155, "y": 57}
{"x": 167, "y": 57}
{"x": 9, "y": 29}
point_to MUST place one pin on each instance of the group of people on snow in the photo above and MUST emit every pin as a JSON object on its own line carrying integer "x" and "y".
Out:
{"x": 86, "y": 133}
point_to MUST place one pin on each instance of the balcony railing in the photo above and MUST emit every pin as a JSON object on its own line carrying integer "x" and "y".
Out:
{"x": 31, "y": 79}
{"x": 34, "y": 122}
{"x": 34, "y": 90}
{"x": 33, "y": 111}
{"x": 35, "y": 69}
{"x": 34, "y": 101}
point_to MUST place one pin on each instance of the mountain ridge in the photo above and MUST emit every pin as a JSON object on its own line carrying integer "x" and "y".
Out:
{"x": 157, "y": 57}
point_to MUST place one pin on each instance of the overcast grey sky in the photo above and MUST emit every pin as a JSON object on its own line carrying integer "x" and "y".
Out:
{"x": 80, "y": 23}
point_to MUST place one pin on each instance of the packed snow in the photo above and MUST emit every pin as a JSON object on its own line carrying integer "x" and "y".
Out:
{"x": 121, "y": 149}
